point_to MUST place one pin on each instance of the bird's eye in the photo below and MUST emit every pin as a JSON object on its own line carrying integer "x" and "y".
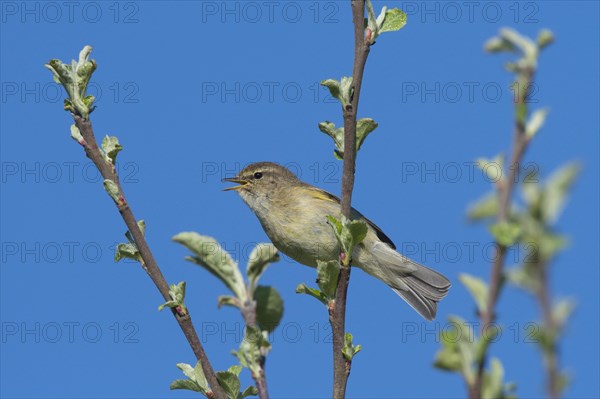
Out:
{"x": 258, "y": 175}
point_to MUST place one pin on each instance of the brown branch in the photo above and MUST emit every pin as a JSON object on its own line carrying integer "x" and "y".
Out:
{"x": 505, "y": 188}
{"x": 149, "y": 263}
{"x": 337, "y": 312}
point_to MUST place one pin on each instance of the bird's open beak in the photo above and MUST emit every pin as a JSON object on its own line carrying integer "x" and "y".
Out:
{"x": 236, "y": 179}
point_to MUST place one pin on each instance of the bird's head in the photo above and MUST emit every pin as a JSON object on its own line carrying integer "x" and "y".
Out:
{"x": 262, "y": 180}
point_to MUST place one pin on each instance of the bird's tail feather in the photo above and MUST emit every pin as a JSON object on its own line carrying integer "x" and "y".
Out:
{"x": 421, "y": 287}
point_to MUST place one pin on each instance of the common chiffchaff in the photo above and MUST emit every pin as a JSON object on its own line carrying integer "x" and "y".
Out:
{"x": 293, "y": 214}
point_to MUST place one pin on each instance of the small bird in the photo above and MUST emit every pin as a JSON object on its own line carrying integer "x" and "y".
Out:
{"x": 294, "y": 216}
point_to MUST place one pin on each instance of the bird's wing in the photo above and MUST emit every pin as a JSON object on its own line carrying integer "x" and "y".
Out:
{"x": 324, "y": 195}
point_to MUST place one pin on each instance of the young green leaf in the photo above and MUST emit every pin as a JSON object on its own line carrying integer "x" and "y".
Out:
{"x": 196, "y": 379}
{"x": 304, "y": 289}
{"x": 348, "y": 233}
{"x": 210, "y": 255}
{"x": 349, "y": 350}
{"x": 550, "y": 243}
{"x": 353, "y": 233}
{"x": 506, "y": 233}
{"x": 327, "y": 277}
{"x": 543, "y": 335}
{"x": 269, "y": 307}
{"x": 127, "y": 250}
{"x": 477, "y": 288}
{"x": 395, "y": 19}
{"x": 545, "y": 38}
{"x": 111, "y": 148}
{"x": 76, "y": 135}
{"x": 168, "y": 304}
{"x": 75, "y": 78}
{"x": 112, "y": 189}
{"x": 187, "y": 385}
{"x": 142, "y": 226}
{"x": 342, "y": 90}
{"x": 536, "y": 121}
{"x": 230, "y": 383}
{"x": 372, "y": 23}
{"x": 260, "y": 257}
{"x": 386, "y": 21}
{"x": 346, "y": 89}
{"x": 364, "y": 126}
{"x": 523, "y": 277}
{"x": 484, "y": 208}
{"x": 523, "y": 43}
{"x": 561, "y": 312}
{"x": 493, "y": 386}
{"x": 334, "y": 88}
{"x": 458, "y": 349}
{"x": 177, "y": 294}
{"x": 252, "y": 350}
{"x": 227, "y": 300}
{"x": 556, "y": 189}
{"x": 532, "y": 194}
{"x": 235, "y": 369}
{"x": 492, "y": 168}
{"x": 337, "y": 134}
{"x": 448, "y": 359}
{"x": 498, "y": 44}
{"x": 250, "y": 391}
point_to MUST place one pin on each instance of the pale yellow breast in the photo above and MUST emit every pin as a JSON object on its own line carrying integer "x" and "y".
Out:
{"x": 299, "y": 229}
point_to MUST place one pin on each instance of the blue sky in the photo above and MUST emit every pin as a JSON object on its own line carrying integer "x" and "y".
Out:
{"x": 195, "y": 91}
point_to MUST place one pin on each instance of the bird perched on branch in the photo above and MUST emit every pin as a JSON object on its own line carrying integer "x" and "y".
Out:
{"x": 294, "y": 216}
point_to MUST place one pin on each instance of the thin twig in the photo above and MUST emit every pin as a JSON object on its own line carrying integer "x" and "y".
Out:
{"x": 550, "y": 354}
{"x": 260, "y": 378}
{"x": 505, "y": 188}
{"x": 185, "y": 322}
{"x": 337, "y": 312}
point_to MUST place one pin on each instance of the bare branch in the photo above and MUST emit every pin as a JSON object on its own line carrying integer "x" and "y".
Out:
{"x": 504, "y": 189}
{"x": 185, "y": 322}
{"x": 337, "y": 312}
